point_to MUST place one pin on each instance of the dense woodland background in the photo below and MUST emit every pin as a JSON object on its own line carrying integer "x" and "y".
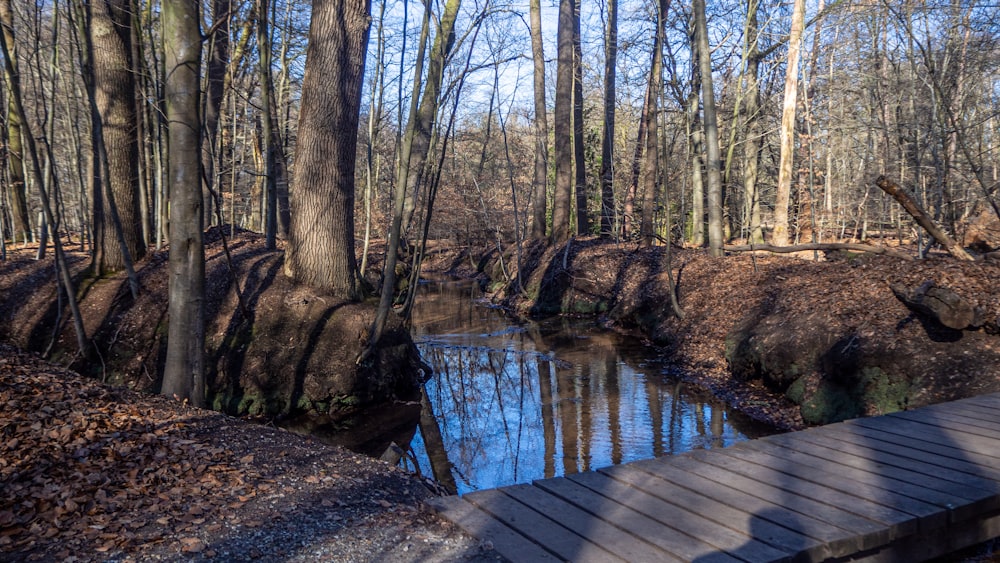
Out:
{"x": 488, "y": 122}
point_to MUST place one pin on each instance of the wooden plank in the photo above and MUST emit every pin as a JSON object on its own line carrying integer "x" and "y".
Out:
{"x": 540, "y": 529}
{"x": 598, "y": 490}
{"x": 616, "y": 483}
{"x": 963, "y": 416}
{"x": 926, "y": 469}
{"x": 913, "y": 512}
{"x": 975, "y": 428}
{"x": 821, "y": 538}
{"x": 980, "y": 411}
{"x": 883, "y": 469}
{"x": 990, "y": 400}
{"x": 944, "y": 456}
{"x": 594, "y": 528}
{"x": 964, "y": 442}
{"x": 888, "y": 523}
{"x": 863, "y": 533}
{"x": 483, "y": 526}
{"x": 688, "y": 546}
{"x": 968, "y": 407}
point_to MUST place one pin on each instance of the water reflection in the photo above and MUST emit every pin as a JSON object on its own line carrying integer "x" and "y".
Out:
{"x": 516, "y": 402}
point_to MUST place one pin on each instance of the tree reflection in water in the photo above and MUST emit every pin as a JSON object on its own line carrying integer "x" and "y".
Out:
{"x": 516, "y": 402}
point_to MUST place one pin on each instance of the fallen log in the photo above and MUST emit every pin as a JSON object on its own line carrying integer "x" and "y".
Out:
{"x": 921, "y": 217}
{"x": 822, "y": 247}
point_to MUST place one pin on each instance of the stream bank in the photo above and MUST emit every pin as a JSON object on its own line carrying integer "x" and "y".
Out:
{"x": 788, "y": 341}
{"x": 292, "y": 351}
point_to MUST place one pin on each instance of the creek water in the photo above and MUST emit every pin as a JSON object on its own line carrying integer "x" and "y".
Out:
{"x": 511, "y": 401}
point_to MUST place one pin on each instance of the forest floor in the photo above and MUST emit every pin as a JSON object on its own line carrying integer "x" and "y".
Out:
{"x": 94, "y": 473}
{"x": 91, "y": 472}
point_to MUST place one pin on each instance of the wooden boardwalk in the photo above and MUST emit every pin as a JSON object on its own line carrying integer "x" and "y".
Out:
{"x": 903, "y": 487}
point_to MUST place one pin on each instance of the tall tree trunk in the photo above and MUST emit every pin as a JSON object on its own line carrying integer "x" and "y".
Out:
{"x": 651, "y": 169}
{"x": 216, "y": 67}
{"x": 579, "y": 158}
{"x": 267, "y": 132}
{"x": 752, "y": 145}
{"x": 539, "y": 182}
{"x": 15, "y": 150}
{"x": 114, "y": 93}
{"x": 322, "y": 201}
{"x": 184, "y": 370}
{"x": 563, "y": 117}
{"x": 713, "y": 156}
{"x": 696, "y": 142}
{"x": 780, "y": 235}
{"x": 608, "y": 139}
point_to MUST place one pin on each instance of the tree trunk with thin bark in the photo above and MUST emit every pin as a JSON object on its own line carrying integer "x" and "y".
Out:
{"x": 608, "y": 139}
{"x": 184, "y": 369}
{"x": 713, "y": 162}
{"x": 579, "y": 158}
{"x": 539, "y": 181}
{"x": 563, "y": 116}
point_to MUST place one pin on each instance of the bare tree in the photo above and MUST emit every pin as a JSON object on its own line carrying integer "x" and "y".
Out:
{"x": 563, "y": 117}
{"x": 608, "y": 138}
{"x": 713, "y": 156}
{"x": 780, "y": 235}
{"x": 539, "y": 182}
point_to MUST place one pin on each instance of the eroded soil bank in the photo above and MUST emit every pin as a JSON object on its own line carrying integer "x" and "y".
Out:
{"x": 789, "y": 341}
{"x": 274, "y": 348}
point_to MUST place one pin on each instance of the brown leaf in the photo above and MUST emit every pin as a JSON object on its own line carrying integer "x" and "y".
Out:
{"x": 192, "y": 545}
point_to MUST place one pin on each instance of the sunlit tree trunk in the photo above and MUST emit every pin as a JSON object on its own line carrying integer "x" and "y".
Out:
{"x": 780, "y": 235}
{"x": 752, "y": 145}
{"x": 539, "y": 182}
{"x": 712, "y": 153}
{"x": 184, "y": 369}
{"x": 579, "y": 159}
{"x": 696, "y": 143}
{"x": 563, "y": 117}
{"x": 321, "y": 252}
{"x": 650, "y": 174}
{"x": 608, "y": 139}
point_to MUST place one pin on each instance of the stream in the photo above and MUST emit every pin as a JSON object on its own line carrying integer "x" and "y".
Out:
{"x": 511, "y": 401}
